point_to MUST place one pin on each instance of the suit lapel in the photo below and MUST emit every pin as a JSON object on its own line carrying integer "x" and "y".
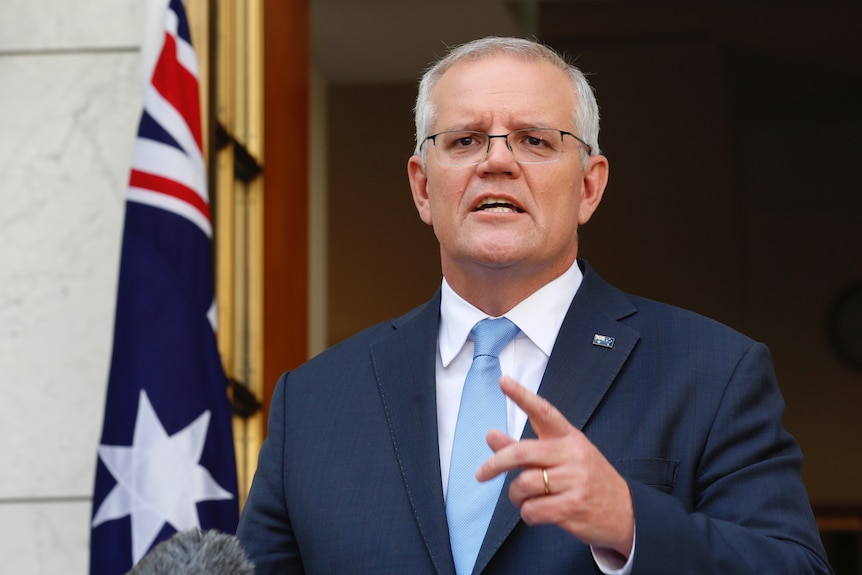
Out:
{"x": 578, "y": 375}
{"x": 581, "y": 369}
{"x": 404, "y": 363}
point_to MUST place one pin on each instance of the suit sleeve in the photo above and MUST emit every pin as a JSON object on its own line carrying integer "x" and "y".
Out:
{"x": 264, "y": 527}
{"x": 751, "y": 512}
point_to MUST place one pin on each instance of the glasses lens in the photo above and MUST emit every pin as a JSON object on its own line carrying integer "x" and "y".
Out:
{"x": 536, "y": 145}
{"x": 461, "y": 148}
{"x": 529, "y": 146}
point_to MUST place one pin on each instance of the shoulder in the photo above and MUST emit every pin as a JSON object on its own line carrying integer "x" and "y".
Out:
{"x": 694, "y": 340}
{"x": 665, "y": 316}
{"x": 344, "y": 376}
{"x": 357, "y": 346}
{"x": 663, "y": 322}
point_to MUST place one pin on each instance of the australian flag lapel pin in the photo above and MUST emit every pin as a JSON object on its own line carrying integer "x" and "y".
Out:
{"x": 603, "y": 341}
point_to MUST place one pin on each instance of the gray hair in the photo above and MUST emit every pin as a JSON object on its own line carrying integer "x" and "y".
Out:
{"x": 195, "y": 552}
{"x": 585, "y": 116}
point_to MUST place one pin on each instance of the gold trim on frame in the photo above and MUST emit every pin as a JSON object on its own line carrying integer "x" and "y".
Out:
{"x": 234, "y": 101}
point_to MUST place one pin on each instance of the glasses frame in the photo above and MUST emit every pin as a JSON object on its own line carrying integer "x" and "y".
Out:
{"x": 505, "y": 137}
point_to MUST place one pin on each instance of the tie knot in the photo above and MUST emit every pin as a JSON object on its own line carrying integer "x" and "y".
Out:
{"x": 492, "y": 335}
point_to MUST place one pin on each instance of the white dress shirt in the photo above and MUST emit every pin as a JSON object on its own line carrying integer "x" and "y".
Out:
{"x": 539, "y": 318}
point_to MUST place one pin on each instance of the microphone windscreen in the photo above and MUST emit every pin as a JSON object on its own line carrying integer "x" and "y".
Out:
{"x": 196, "y": 552}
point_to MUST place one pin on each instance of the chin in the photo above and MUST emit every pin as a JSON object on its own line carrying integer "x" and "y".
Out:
{"x": 498, "y": 258}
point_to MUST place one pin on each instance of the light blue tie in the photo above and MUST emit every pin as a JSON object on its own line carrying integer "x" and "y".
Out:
{"x": 470, "y": 504}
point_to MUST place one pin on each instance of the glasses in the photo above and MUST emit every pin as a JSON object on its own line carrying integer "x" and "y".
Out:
{"x": 528, "y": 146}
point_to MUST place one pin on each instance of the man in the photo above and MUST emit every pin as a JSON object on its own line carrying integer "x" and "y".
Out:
{"x": 637, "y": 438}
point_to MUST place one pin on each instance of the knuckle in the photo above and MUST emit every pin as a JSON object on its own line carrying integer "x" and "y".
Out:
{"x": 522, "y": 451}
{"x": 528, "y": 513}
{"x": 519, "y": 483}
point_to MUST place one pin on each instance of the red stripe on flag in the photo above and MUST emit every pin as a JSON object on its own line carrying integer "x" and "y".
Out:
{"x": 169, "y": 187}
{"x": 179, "y": 87}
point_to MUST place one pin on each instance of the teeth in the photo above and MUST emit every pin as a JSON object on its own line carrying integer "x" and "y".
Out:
{"x": 487, "y": 201}
{"x": 498, "y": 205}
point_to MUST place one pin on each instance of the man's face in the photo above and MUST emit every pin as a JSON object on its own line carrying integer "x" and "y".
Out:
{"x": 536, "y": 233}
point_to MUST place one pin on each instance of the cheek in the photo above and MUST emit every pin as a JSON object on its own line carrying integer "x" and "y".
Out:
{"x": 444, "y": 200}
{"x": 558, "y": 204}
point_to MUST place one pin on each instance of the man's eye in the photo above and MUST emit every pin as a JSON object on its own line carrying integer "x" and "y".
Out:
{"x": 468, "y": 141}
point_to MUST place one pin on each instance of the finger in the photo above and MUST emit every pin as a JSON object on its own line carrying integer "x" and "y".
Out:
{"x": 541, "y": 510}
{"x": 547, "y": 421}
{"x": 497, "y": 440}
{"x": 514, "y": 455}
{"x": 529, "y": 484}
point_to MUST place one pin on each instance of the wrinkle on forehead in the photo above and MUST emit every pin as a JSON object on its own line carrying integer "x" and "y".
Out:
{"x": 502, "y": 92}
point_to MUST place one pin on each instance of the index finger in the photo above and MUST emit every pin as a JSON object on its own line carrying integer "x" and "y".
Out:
{"x": 547, "y": 421}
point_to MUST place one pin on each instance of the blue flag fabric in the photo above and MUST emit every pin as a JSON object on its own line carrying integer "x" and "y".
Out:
{"x": 166, "y": 456}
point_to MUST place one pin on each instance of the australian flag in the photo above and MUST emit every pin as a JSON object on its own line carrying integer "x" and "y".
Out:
{"x": 166, "y": 456}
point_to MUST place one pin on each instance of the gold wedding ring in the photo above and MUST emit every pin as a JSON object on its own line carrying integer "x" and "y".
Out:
{"x": 547, "y": 485}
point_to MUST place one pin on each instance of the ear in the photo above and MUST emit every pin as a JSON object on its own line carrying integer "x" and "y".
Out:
{"x": 419, "y": 187}
{"x": 592, "y": 187}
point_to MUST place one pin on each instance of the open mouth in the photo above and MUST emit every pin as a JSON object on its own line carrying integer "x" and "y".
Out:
{"x": 498, "y": 205}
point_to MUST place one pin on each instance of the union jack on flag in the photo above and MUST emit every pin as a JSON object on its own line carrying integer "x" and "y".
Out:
{"x": 166, "y": 456}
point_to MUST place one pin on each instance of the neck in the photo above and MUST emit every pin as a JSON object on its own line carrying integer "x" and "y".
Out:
{"x": 496, "y": 290}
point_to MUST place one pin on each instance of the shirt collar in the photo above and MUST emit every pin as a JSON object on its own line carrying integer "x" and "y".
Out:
{"x": 539, "y": 316}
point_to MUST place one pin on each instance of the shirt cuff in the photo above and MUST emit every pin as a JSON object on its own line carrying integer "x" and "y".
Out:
{"x": 612, "y": 563}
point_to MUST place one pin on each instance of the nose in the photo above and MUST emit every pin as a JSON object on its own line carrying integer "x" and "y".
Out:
{"x": 504, "y": 137}
{"x": 499, "y": 160}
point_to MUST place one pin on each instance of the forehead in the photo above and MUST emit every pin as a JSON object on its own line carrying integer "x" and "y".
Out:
{"x": 503, "y": 90}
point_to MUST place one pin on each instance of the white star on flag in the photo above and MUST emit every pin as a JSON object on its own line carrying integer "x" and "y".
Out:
{"x": 159, "y": 479}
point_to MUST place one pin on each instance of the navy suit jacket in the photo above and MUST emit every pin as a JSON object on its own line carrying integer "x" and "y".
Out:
{"x": 687, "y": 410}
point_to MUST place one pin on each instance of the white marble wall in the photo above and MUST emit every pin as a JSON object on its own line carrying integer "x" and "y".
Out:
{"x": 70, "y": 96}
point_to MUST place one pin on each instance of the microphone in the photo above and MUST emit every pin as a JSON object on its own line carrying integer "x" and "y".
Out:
{"x": 195, "y": 552}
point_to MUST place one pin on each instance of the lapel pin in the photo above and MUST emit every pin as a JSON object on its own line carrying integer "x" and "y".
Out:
{"x": 603, "y": 341}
